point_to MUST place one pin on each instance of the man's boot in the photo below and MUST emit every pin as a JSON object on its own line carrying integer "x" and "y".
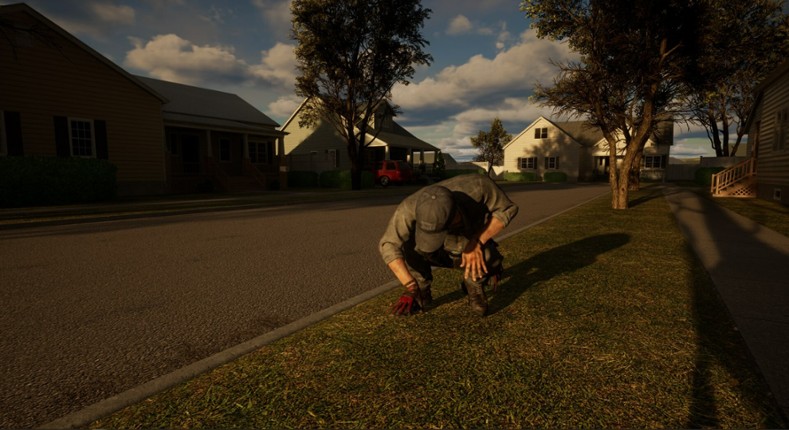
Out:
{"x": 476, "y": 297}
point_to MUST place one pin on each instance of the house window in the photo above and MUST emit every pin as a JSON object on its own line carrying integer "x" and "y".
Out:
{"x": 528, "y": 163}
{"x": 261, "y": 152}
{"x": 551, "y": 163}
{"x": 541, "y": 133}
{"x": 224, "y": 149}
{"x": 172, "y": 144}
{"x": 81, "y": 137}
{"x": 781, "y": 140}
{"x": 332, "y": 158}
{"x": 654, "y": 162}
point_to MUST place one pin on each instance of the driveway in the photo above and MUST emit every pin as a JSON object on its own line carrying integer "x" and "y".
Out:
{"x": 91, "y": 310}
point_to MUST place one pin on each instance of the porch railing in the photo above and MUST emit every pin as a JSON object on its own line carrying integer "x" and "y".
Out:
{"x": 724, "y": 182}
{"x": 252, "y": 170}
{"x": 215, "y": 171}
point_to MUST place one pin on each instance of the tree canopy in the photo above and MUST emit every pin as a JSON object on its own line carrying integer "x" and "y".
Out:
{"x": 350, "y": 54}
{"x": 491, "y": 144}
{"x": 741, "y": 41}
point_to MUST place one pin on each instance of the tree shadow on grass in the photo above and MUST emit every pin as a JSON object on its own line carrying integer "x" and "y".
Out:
{"x": 554, "y": 262}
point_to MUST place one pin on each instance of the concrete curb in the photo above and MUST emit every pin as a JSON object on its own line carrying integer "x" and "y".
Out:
{"x": 83, "y": 417}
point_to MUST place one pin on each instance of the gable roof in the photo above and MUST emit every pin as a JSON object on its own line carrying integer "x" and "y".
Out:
{"x": 48, "y": 24}
{"x": 587, "y": 135}
{"x": 395, "y": 135}
{"x": 190, "y": 101}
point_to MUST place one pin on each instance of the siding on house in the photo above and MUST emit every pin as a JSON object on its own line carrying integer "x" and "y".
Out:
{"x": 579, "y": 149}
{"x": 54, "y": 75}
{"x": 772, "y": 163}
{"x": 321, "y": 147}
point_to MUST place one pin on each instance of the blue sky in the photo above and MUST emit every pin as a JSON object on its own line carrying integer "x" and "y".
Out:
{"x": 486, "y": 59}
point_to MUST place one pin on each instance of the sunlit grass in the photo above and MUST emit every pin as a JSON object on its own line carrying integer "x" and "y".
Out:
{"x": 604, "y": 319}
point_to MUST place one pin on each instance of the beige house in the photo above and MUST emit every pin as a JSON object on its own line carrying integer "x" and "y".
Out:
{"x": 768, "y": 142}
{"x": 321, "y": 147}
{"x": 60, "y": 98}
{"x": 578, "y": 150}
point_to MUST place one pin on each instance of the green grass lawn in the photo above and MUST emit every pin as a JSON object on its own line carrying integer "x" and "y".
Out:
{"x": 604, "y": 319}
{"x": 768, "y": 213}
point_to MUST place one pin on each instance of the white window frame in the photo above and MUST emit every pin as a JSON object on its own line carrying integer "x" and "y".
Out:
{"x": 71, "y": 137}
{"x": 653, "y": 162}
{"x": 528, "y": 163}
{"x": 551, "y": 163}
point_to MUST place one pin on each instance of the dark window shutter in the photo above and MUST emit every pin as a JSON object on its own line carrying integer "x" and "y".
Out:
{"x": 100, "y": 127}
{"x": 13, "y": 133}
{"x": 62, "y": 146}
{"x": 557, "y": 162}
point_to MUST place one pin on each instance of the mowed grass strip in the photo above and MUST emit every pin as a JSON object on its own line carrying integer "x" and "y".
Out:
{"x": 604, "y": 319}
{"x": 765, "y": 212}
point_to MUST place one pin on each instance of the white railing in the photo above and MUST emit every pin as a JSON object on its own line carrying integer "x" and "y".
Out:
{"x": 732, "y": 175}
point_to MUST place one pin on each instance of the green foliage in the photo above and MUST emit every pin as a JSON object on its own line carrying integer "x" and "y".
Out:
{"x": 342, "y": 179}
{"x": 491, "y": 144}
{"x": 521, "y": 177}
{"x": 554, "y": 177}
{"x": 349, "y": 55}
{"x": 703, "y": 175}
{"x": 34, "y": 181}
{"x": 302, "y": 179}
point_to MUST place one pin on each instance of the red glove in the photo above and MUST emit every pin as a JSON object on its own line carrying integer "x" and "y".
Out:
{"x": 410, "y": 302}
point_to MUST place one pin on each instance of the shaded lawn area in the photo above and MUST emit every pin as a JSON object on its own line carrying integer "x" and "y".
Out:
{"x": 765, "y": 212}
{"x": 604, "y": 319}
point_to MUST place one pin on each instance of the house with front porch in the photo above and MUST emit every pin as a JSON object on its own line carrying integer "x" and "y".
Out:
{"x": 578, "y": 150}
{"x": 217, "y": 138}
{"x": 61, "y": 98}
{"x": 321, "y": 147}
{"x": 765, "y": 173}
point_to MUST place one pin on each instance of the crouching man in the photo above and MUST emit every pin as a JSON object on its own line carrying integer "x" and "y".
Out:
{"x": 448, "y": 224}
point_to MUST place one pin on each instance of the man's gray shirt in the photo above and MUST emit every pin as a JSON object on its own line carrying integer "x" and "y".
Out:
{"x": 477, "y": 196}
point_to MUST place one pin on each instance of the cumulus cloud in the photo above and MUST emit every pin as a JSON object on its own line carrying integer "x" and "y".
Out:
{"x": 512, "y": 71}
{"x": 172, "y": 58}
{"x": 96, "y": 19}
{"x": 278, "y": 65}
{"x": 459, "y": 25}
{"x": 175, "y": 59}
{"x": 283, "y": 107}
{"x": 113, "y": 14}
{"x": 277, "y": 16}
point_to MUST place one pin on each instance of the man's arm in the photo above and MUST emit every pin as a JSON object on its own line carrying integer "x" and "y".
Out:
{"x": 473, "y": 260}
{"x": 398, "y": 267}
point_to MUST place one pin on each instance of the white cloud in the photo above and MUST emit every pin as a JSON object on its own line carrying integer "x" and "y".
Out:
{"x": 114, "y": 14}
{"x": 172, "y": 58}
{"x": 459, "y": 25}
{"x": 283, "y": 107}
{"x": 514, "y": 70}
{"x": 278, "y": 65}
{"x": 277, "y": 15}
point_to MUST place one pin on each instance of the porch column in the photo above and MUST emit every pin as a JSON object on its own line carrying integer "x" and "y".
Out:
{"x": 283, "y": 164}
{"x": 208, "y": 151}
{"x": 245, "y": 145}
{"x": 386, "y": 153}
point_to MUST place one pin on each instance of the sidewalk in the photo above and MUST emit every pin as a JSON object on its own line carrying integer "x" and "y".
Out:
{"x": 749, "y": 264}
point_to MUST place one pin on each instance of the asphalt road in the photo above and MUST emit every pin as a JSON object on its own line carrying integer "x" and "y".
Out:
{"x": 91, "y": 310}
